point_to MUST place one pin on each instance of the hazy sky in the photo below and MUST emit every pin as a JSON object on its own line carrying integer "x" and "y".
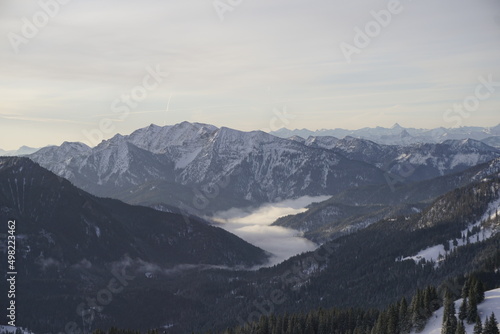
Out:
{"x": 70, "y": 73}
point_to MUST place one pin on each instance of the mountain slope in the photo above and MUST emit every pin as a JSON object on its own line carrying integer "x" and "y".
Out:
{"x": 492, "y": 141}
{"x": 203, "y": 169}
{"x": 105, "y": 229}
{"x": 490, "y": 305}
{"x": 357, "y": 208}
{"x": 364, "y": 269}
{"x": 413, "y": 162}
{"x": 357, "y": 270}
{"x": 69, "y": 243}
{"x": 206, "y": 168}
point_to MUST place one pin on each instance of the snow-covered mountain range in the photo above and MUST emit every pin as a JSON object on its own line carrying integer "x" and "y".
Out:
{"x": 413, "y": 161}
{"x": 23, "y": 150}
{"x": 398, "y": 135}
{"x": 200, "y": 167}
{"x": 356, "y": 209}
{"x": 199, "y": 164}
{"x": 209, "y": 168}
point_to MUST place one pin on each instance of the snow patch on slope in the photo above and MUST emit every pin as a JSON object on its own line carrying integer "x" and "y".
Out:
{"x": 490, "y": 304}
{"x": 11, "y": 329}
{"x": 437, "y": 253}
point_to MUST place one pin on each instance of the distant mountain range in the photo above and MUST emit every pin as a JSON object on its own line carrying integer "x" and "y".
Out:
{"x": 398, "y": 135}
{"x": 414, "y": 161}
{"x": 357, "y": 208}
{"x": 23, "y": 150}
{"x": 202, "y": 169}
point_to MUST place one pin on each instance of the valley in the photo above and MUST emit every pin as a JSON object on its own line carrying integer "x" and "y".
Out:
{"x": 255, "y": 227}
{"x": 249, "y": 167}
{"x": 214, "y": 216}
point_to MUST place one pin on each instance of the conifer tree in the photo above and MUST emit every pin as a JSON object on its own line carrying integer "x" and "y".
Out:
{"x": 427, "y": 302}
{"x": 460, "y": 328}
{"x": 491, "y": 325}
{"x": 478, "y": 327}
{"x": 404, "y": 320}
{"x": 449, "y": 320}
{"x": 463, "y": 311}
{"x": 309, "y": 329}
{"x": 472, "y": 310}
{"x": 381, "y": 325}
{"x": 392, "y": 320}
{"x": 465, "y": 289}
{"x": 479, "y": 287}
{"x": 322, "y": 325}
{"x": 418, "y": 311}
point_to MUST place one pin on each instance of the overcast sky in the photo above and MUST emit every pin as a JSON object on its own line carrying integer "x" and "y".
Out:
{"x": 264, "y": 57}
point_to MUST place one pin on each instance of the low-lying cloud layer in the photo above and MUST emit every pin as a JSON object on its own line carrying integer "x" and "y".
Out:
{"x": 254, "y": 227}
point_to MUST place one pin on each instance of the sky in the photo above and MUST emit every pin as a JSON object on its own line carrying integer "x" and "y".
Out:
{"x": 74, "y": 70}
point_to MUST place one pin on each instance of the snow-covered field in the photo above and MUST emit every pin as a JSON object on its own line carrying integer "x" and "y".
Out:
{"x": 436, "y": 253}
{"x": 490, "y": 304}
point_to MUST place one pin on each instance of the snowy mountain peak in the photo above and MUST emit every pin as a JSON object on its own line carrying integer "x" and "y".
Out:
{"x": 116, "y": 140}
{"x": 158, "y": 139}
{"x": 469, "y": 145}
{"x": 396, "y": 126}
{"x": 405, "y": 134}
{"x": 298, "y": 139}
{"x": 68, "y": 146}
{"x": 23, "y": 150}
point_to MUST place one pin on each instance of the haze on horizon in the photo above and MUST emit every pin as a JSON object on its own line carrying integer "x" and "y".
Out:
{"x": 262, "y": 59}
